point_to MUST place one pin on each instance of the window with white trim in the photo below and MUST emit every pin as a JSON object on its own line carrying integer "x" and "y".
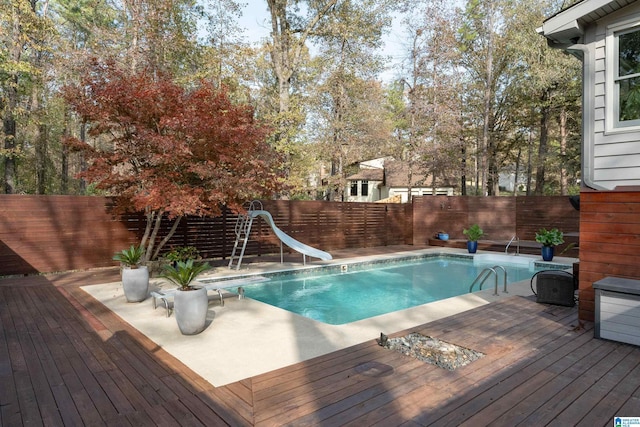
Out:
{"x": 624, "y": 49}
{"x": 364, "y": 188}
{"x": 354, "y": 188}
{"x": 628, "y": 77}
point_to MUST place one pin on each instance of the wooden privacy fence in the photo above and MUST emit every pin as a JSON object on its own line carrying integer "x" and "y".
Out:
{"x": 501, "y": 218}
{"x": 324, "y": 225}
{"x": 58, "y": 233}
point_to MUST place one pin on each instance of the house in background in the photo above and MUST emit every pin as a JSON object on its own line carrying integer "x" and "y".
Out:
{"x": 507, "y": 180}
{"x": 605, "y": 35}
{"x": 387, "y": 179}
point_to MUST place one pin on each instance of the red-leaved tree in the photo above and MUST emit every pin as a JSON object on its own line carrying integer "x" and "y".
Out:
{"x": 167, "y": 151}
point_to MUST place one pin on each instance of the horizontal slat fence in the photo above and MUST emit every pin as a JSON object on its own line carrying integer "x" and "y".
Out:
{"x": 501, "y": 218}
{"x": 60, "y": 233}
{"x": 57, "y": 233}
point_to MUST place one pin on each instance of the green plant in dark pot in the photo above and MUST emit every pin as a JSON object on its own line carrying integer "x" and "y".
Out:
{"x": 473, "y": 233}
{"x": 190, "y": 303}
{"x": 135, "y": 277}
{"x": 549, "y": 239}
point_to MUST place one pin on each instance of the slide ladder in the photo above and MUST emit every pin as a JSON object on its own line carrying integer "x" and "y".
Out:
{"x": 243, "y": 230}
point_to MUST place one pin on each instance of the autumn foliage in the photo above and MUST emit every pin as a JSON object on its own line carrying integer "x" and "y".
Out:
{"x": 168, "y": 151}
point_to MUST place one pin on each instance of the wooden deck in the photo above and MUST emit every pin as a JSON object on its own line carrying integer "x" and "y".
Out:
{"x": 66, "y": 360}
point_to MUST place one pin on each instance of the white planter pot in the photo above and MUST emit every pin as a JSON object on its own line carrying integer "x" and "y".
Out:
{"x": 135, "y": 282}
{"x": 190, "y": 308}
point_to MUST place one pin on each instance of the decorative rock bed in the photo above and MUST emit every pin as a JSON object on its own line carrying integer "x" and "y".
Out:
{"x": 431, "y": 350}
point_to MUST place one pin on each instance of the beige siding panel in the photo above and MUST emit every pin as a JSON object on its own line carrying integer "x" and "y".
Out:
{"x": 599, "y": 114}
{"x": 626, "y": 176}
{"x": 617, "y": 149}
{"x": 599, "y": 90}
{"x": 616, "y": 138}
{"x": 617, "y": 161}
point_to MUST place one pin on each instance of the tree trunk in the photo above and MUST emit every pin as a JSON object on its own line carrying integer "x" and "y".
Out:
{"x": 542, "y": 147}
{"x": 564, "y": 184}
{"x": 285, "y": 52}
{"x": 516, "y": 176}
{"x": 487, "y": 110}
{"x": 529, "y": 162}
{"x": 9, "y": 126}
{"x": 463, "y": 167}
{"x": 41, "y": 159}
{"x": 15, "y": 48}
{"x": 64, "y": 160}
{"x": 83, "y": 161}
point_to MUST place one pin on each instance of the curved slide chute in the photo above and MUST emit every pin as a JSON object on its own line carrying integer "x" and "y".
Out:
{"x": 290, "y": 241}
{"x": 243, "y": 230}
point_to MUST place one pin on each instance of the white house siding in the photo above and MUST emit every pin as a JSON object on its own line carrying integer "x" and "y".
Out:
{"x": 611, "y": 156}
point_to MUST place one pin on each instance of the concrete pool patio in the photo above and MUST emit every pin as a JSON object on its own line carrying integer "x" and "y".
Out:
{"x": 66, "y": 357}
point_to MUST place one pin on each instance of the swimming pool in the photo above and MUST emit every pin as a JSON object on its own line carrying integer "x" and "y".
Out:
{"x": 347, "y": 293}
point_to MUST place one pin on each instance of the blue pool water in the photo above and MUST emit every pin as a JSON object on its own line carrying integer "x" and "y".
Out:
{"x": 337, "y": 296}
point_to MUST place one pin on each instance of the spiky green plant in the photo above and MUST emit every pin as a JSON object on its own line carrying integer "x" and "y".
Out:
{"x": 184, "y": 272}
{"x": 130, "y": 257}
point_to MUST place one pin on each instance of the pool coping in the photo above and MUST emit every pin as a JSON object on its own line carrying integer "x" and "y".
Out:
{"x": 245, "y": 337}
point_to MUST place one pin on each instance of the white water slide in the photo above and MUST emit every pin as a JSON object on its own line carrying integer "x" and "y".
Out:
{"x": 243, "y": 230}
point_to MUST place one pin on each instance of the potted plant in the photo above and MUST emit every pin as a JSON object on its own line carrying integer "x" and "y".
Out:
{"x": 182, "y": 253}
{"x": 473, "y": 233}
{"x": 549, "y": 239}
{"x": 135, "y": 277}
{"x": 189, "y": 303}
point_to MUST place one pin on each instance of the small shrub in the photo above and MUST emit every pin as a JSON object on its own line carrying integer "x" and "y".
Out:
{"x": 553, "y": 237}
{"x": 473, "y": 233}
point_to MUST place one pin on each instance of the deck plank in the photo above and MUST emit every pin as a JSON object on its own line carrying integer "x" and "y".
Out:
{"x": 532, "y": 346}
{"x": 562, "y": 407}
{"x": 519, "y": 387}
{"x": 389, "y": 409}
{"x": 10, "y": 408}
{"x": 434, "y": 394}
{"x": 527, "y": 399}
{"x": 616, "y": 397}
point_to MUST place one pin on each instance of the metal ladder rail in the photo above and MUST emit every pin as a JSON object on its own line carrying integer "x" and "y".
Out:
{"x": 247, "y": 232}
{"x": 517, "y": 239}
{"x": 504, "y": 270}
{"x": 243, "y": 227}
{"x": 485, "y": 274}
{"x": 238, "y": 230}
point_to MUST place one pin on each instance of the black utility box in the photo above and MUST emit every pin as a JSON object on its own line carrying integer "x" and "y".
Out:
{"x": 555, "y": 287}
